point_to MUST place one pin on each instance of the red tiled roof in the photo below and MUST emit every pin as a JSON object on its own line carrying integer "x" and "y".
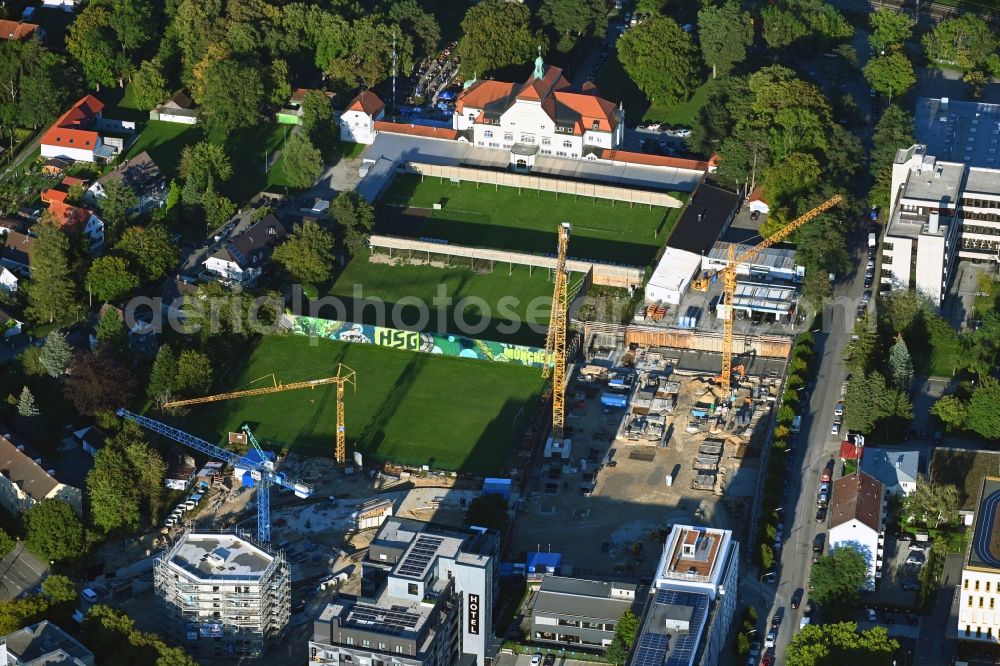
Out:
{"x": 69, "y": 218}
{"x": 15, "y": 30}
{"x": 590, "y": 108}
{"x": 757, "y": 195}
{"x": 53, "y": 196}
{"x": 541, "y": 88}
{"x": 299, "y": 94}
{"x": 69, "y": 132}
{"x": 857, "y": 496}
{"x": 366, "y": 101}
{"x": 416, "y": 130}
{"x": 850, "y": 451}
{"x": 70, "y": 181}
{"x": 481, "y": 93}
{"x": 652, "y": 160}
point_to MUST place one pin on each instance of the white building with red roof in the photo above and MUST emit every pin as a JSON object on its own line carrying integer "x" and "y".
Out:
{"x": 74, "y": 135}
{"x": 543, "y": 116}
{"x": 357, "y": 122}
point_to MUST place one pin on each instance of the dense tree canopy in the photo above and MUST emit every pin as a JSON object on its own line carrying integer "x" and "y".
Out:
{"x": 805, "y": 24}
{"x": 966, "y": 42}
{"x": 53, "y": 531}
{"x": 890, "y": 75}
{"x": 836, "y": 578}
{"x": 570, "y": 19}
{"x": 303, "y": 162}
{"x": 150, "y": 249}
{"x": 894, "y": 130}
{"x": 308, "y": 254}
{"x": 841, "y": 643}
{"x": 496, "y": 34}
{"x": 889, "y": 28}
{"x": 51, "y": 290}
{"x": 111, "y": 278}
{"x": 930, "y": 504}
{"x": 661, "y": 59}
{"x": 872, "y": 402}
{"x": 98, "y": 383}
{"x": 726, "y": 33}
{"x": 126, "y": 478}
{"x": 355, "y": 218}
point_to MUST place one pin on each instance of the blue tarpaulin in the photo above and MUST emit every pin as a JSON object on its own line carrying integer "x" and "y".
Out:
{"x": 619, "y": 400}
{"x": 493, "y": 486}
{"x": 544, "y": 562}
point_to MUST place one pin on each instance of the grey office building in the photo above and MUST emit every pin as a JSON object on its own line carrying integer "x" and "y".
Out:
{"x": 427, "y": 595}
{"x": 578, "y": 613}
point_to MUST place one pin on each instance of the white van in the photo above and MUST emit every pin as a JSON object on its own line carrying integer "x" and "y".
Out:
{"x": 796, "y": 423}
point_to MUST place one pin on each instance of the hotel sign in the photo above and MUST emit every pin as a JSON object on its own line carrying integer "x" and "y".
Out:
{"x": 473, "y": 603}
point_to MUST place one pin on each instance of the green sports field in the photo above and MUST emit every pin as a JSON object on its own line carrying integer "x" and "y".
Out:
{"x": 525, "y": 221}
{"x": 411, "y": 408}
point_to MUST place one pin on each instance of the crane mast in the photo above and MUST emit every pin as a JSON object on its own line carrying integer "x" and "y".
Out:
{"x": 344, "y": 376}
{"x": 555, "y": 342}
{"x": 729, "y": 281}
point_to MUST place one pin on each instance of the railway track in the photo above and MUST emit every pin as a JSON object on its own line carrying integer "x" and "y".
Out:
{"x": 927, "y": 13}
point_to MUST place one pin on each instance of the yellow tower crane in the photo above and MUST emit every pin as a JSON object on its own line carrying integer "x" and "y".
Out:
{"x": 344, "y": 376}
{"x": 729, "y": 281}
{"x": 555, "y": 342}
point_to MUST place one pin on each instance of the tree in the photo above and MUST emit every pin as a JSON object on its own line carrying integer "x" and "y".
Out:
{"x": 488, "y": 510}
{"x": 7, "y": 543}
{"x": 367, "y": 56}
{"x": 889, "y": 28}
{"x": 91, "y": 41}
{"x": 782, "y": 28}
{"x": 894, "y": 129}
{"x": 149, "y": 85}
{"x": 110, "y": 278}
{"x": 53, "y": 531}
{"x": 278, "y": 87}
{"x": 308, "y": 254}
{"x": 110, "y": 331}
{"x": 496, "y": 34}
{"x": 870, "y": 401}
{"x": 570, "y": 19}
{"x": 660, "y": 58}
{"x": 983, "y": 416}
{"x": 98, "y": 383}
{"x": 901, "y": 365}
{"x": 837, "y": 577}
{"x": 861, "y": 351}
{"x": 303, "y": 162}
{"x": 413, "y": 20}
{"x": 840, "y": 643}
{"x": 203, "y": 165}
{"x": 194, "y": 373}
{"x": 133, "y": 23}
{"x": 725, "y": 33}
{"x": 118, "y": 199}
{"x": 355, "y": 217}
{"x": 18, "y": 613}
{"x": 230, "y": 95}
{"x": 810, "y": 23}
{"x": 966, "y": 42}
{"x": 51, "y": 292}
{"x": 126, "y": 474}
{"x": 890, "y": 75}
{"x": 790, "y": 178}
{"x": 317, "y": 117}
{"x": 952, "y": 411}
{"x": 150, "y": 249}
{"x": 56, "y": 354}
{"x": 931, "y": 504}
{"x": 26, "y": 407}
{"x": 59, "y": 589}
{"x": 625, "y": 633}
{"x": 163, "y": 376}
{"x": 218, "y": 208}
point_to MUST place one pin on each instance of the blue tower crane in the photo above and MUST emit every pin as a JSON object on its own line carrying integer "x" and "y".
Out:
{"x": 261, "y": 470}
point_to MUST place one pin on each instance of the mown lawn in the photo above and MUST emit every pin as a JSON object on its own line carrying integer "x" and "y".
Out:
{"x": 503, "y": 299}
{"x": 525, "y": 221}
{"x": 616, "y": 85}
{"x": 412, "y": 408}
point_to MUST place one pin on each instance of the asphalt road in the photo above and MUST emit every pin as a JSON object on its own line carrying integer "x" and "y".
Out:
{"x": 20, "y": 571}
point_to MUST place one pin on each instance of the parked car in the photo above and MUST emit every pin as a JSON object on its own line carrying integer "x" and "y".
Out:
{"x": 916, "y": 557}
{"x": 779, "y": 615}
{"x": 550, "y": 660}
{"x": 770, "y": 639}
{"x": 754, "y": 653}
{"x": 822, "y": 499}
{"x": 819, "y": 542}
{"x": 536, "y": 660}
{"x": 770, "y": 577}
{"x": 797, "y": 597}
{"x": 869, "y": 279}
{"x": 911, "y": 585}
{"x": 89, "y": 595}
{"x": 870, "y": 614}
{"x": 835, "y": 429}
{"x": 821, "y": 514}
{"x": 768, "y": 659}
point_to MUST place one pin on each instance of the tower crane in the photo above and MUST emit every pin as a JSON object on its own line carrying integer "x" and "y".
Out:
{"x": 729, "y": 278}
{"x": 261, "y": 471}
{"x": 555, "y": 341}
{"x": 344, "y": 376}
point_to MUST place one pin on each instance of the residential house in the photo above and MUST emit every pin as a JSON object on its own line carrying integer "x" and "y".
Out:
{"x": 291, "y": 112}
{"x": 545, "y": 115}
{"x": 8, "y": 281}
{"x": 143, "y": 177}
{"x": 756, "y": 203}
{"x": 9, "y": 324}
{"x": 896, "y": 470}
{"x": 65, "y": 5}
{"x": 43, "y": 644}
{"x": 175, "y": 293}
{"x": 574, "y": 613}
{"x": 857, "y": 519}
{"x": 24, "y": 481}
{"x": 19, "y": 31}
{"x": 141, "y": 334}
{"x": 76, "y": 219}
{"x": 91, "y": 439}
{"x": 357, "y": 122}
{"x": 15, "y": 253}
{"x": 242, "y": 257}
{"x": 179, "y": 108}
{"x": 74, "y": 135}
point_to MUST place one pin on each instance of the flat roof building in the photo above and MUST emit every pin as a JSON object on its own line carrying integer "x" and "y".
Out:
{"x": 959, "y": 131}
{"x": 977, "y": 616}
{"x": 43, "y": 644}
{"x": 693, "y": 600}
{"x": 708, "y": 213}
{"x": 576, "y": 613}
{"x": 427, "y": 598}
{"x": 939, "y": 212}
{"x": 225, "y": 594}
{"x": 772, "y": 263}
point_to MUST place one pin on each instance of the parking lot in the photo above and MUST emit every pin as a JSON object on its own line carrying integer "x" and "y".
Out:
{"x": 898, "y": 577}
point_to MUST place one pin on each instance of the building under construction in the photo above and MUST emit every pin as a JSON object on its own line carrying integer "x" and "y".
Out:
{"x": 224, "y": 594}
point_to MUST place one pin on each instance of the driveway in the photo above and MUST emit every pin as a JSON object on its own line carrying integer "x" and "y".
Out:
{"x": 341, "y": 177}
{"x": 933, "y": 646}
{"x": 20, "y": 572}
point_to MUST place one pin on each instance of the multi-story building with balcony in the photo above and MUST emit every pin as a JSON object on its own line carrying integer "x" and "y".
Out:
{"x": 427, "y": 595}
{"x": 224, "y": 594}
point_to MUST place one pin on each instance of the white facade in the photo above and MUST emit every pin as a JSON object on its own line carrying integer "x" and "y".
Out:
{"x": 169, "y": 116}
{"x": 979, "y": 605}
{"x": 357, "y": 127}
{"x": 94, "y": 229}
{"x": 672, "y": 275}
{"x": 230, "y": 270}
{"x": 855, "y": 534}
{"x": 8, "y": 281}
{"x": 75, "y": 154}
